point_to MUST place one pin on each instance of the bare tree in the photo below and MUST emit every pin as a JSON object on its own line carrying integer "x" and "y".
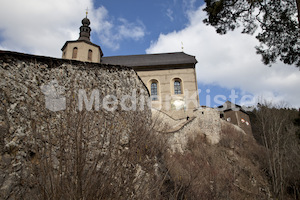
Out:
{"x": 278, "y": 134}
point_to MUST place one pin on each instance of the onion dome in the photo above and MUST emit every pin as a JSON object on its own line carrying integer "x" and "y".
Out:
{"x": 85, "y": 30}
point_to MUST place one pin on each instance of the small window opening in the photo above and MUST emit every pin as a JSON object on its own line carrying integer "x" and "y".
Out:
{"x": 154, "y": 91}
{"x": 90, "y": 54}
{"x": 177, "y": 87}
{"x": 74, "y": 54}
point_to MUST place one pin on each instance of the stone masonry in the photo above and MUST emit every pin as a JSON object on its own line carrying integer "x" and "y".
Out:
{"x": 39, "y": 113}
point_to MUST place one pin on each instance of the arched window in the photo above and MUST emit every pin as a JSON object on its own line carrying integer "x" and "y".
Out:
{"x": 177, "y": 86}
{"x": 90, "y": 54}
{"x": 74, "y": 54}
{"x": 154, "y": 90}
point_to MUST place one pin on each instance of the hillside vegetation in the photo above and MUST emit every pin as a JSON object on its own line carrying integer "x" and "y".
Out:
{"x": 230, "y": 169}
{"x": 118, "y": 157}
{"x": 277, "y": 130}
{"x": 264, "y": 165}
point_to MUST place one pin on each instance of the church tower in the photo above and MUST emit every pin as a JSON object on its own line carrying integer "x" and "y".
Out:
{"x": 82, "y": 49}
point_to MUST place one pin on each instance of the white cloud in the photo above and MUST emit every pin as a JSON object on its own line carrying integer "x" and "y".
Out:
{"x": 39, "y": 27}
{"x": 170, "y": 14}
{"x": 230, "y": 61}
{"x": 189, "y": 4}
{"x": 131, "y": 30}
{"x": 111, "y": 32}
{"x": 42, "y": 27}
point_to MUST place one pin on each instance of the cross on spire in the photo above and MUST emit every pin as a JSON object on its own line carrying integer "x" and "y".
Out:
{"x": 87, "y": 11}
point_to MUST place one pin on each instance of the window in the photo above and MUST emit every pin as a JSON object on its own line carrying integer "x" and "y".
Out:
{"x": 74, "y": 54}
{"x": 90, "y": 54}
{"x": 154, "y": 91}
{"x": 177, "y": 87}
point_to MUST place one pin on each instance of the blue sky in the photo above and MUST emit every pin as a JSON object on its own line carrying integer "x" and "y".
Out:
{"x": 225, "y": 63}
{"x": 154, "y": 16}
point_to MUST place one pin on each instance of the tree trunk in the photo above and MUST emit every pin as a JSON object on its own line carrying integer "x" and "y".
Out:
{"x": 298, "y": 8}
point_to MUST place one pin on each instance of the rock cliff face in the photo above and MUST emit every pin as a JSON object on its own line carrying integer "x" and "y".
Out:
{"x": 71, "y": 128}
{"x": 207, "y": 122}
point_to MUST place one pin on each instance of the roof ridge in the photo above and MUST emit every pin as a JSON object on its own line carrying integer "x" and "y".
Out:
{"x": 176, "y": 52}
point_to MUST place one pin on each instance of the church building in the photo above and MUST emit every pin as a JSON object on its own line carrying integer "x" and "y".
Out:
{"x": 169, "y": 77}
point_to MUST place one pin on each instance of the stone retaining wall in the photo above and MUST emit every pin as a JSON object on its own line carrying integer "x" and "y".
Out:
{"x": 50, "y": 113}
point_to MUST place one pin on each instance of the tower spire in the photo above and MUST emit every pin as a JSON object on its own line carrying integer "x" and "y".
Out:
{"x": 85, "y": 30}
{"x": 83, "y": 49}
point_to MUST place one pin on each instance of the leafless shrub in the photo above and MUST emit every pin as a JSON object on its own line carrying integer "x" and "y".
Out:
{"x": 75, "y": 154}
{"x": 222, "y": 171}
{"x": 242, "y": 144}
{"x": 274, "y": 128}
{"x": 94, "y": 156}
